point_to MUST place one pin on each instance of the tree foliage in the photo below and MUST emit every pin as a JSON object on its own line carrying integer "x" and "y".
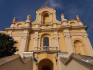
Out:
{"x": 7, "y": 45}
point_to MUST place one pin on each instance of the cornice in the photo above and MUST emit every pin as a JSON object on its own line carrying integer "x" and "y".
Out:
{"x": 48, "y": 51}
{"x": 45, "y": 30}
{"x": 80, "y": 27}
{"x": 21, "y": 28}
{"x": 74, "y": 27}
{"x": 62, "y": 27}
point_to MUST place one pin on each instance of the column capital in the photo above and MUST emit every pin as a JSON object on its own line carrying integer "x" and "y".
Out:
{"x": 56, "y": 36}
{"x": 35, "y": 37}
{"x": 25, "y": 36}
{"x": 67, "y": 34}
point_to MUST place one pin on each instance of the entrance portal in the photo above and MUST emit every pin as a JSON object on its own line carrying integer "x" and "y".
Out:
{"x": 45, "y": 64}
{"x": 45, "y": 68}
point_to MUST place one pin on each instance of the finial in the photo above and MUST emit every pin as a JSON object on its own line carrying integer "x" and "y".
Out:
{"x": 63, "y": 18}
{"x": 45, "y": 4}
{"x": 14, "y": 19}
{"x": 78, "y": 17}
{"x": 28, "y": 18}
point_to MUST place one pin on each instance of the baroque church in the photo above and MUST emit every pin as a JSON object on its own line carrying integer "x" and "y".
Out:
{"x": 49, "y": 44}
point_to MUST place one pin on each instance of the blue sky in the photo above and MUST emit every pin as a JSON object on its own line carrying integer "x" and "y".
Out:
{"x": 70, "y": 8}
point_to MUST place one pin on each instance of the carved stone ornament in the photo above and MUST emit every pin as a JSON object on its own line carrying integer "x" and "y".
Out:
{"x": 63, "y": 18}
{"x": 14, "y": 19}
{"x": 28, "y": 18}
{"x": 78, "y": 17}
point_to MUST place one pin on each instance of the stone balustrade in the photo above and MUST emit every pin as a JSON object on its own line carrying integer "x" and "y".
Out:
{"x": 46, "y": 48}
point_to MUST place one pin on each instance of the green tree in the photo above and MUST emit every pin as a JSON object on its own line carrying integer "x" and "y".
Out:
{"x": 7, "y": 45}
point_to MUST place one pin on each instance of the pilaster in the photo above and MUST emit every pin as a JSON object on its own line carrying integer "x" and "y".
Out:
{"x": 35, "y": 44}
{"x": 59, "y": 62}
{"x": 68, "y": 41}
{"x": 24, "y": 42}
{"x": 51, "y": 18}
{"x": 10, "y": 32}
{"x": 56, "y": 39}
{"x": 88, "y": 45}
{"x": 54, "y": 25}
{"x": 40, "y": 18}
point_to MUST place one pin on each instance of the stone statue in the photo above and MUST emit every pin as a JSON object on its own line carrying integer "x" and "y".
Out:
{"x": 78, "y": 17}
{"x": 28, "y": 18}
{"x": 14, "y": 19}
{"x": 63, "y": 18}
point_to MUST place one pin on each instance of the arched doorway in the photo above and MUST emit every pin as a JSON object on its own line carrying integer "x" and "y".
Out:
{"x": 45, "y": 64}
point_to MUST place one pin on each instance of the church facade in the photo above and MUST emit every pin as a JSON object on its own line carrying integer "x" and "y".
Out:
{"x": 47, "y": 39}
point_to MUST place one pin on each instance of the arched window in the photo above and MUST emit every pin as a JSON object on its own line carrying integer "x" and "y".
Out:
{"x": 45, "y": 41}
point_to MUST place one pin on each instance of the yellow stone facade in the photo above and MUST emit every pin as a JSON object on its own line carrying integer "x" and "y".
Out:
{"x": 63, "y": 38}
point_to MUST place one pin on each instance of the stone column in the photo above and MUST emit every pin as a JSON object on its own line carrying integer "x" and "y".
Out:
{"x": 54, "y": 17}
{"x": 56, "y": 40}
{"x": 24, "y": 42}
{"x": 37, "y": 16}
{"x": 68, "y": 41}
{"x": 35, "y": 43}
{"x": 88, "y": 45}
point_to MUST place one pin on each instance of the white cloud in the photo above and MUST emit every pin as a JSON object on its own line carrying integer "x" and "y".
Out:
{"x": 55, "y": 4}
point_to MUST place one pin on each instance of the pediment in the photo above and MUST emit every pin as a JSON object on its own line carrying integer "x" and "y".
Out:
{"x": 40, "y": 10}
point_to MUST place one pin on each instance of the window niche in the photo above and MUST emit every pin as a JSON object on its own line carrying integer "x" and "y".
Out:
{"x": 79, "y": 47}
{"x": 45, "y": 41}
{"x": 45, "y": 18}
